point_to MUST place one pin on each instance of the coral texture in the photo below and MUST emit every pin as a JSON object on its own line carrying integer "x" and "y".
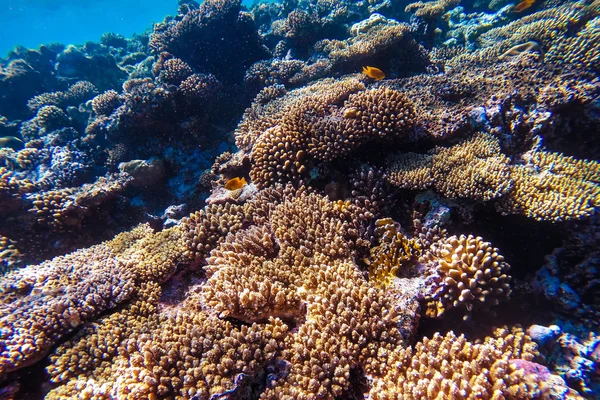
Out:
{"x": 465, "y": 272}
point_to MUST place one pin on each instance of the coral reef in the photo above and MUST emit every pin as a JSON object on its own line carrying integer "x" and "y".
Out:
{"x": 319, "y": 123}
{"x": 224, "y": 207}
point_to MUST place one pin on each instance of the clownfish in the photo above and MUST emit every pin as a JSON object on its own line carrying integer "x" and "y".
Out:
{"x": 235, "y": 183}
{"x": 373, "y": 72}
{"x": 524, "y": 5}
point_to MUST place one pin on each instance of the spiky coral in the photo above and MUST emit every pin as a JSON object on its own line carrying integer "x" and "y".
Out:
{"x": 465, "y": 272}
{"x": 451, "y": 367}
{"x": 322, "y": 122}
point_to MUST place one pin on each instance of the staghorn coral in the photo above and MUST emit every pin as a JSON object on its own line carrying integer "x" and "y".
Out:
{"x": 550, "y": 28}
{"x": 393, "y": 251}
{"x": 464, "y": 272}
{"x": 322, "y": 122}
{"x": 155, "y": 346}
{"x": 474, "y": 168}
{"x": 12, "y": 189}
{"x": 581, "y": 51}
{"x": 40, "y": 304}
{"x": 452, "y": 367}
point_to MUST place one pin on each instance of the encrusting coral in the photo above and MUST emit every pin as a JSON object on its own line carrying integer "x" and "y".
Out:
{"x": 464, "y": 272}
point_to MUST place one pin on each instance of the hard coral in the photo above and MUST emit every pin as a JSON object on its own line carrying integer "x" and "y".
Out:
{"x": 393, "y": 251}
{"x": 474, "y": 169}
{"x": 451, "y": 367}
{"x": 40, "y": 304}
{"x": 107, "y": 102}
{"x": 319, "y": 123}
{"x": 205, "y": 30}
{"x": 549, "y": 186}
{"x": 464, "y": 272}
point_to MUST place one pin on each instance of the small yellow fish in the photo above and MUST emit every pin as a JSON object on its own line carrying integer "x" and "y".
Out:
{"x": 235, "y": 183}
{"x": 524, "y": 5}
{"x": 373, "y": 72}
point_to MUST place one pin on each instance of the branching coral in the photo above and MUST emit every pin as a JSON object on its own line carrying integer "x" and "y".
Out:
{"x": 322, "y": 122}
{"x": 364, "y": 44}
{"x": 451, "y": 367}
{"x": 206, "y": 228}
{"x": 465, "y": 272}
{"x": 205, "y": 30}
{"x": 549, "y": 186}
{"x": 40, "y": 304}
{"x": 432, "y": 9}
{"x": 76, "y": 94}
{"x": 106, "y": 103}
{"x": 65, "y": 209}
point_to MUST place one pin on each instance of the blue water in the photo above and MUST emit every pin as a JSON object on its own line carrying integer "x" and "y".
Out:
{"x": 34, "y": 22}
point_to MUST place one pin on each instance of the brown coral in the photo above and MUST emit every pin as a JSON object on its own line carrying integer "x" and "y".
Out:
{"x": 451, "y": 367}
{"x": 431, "y": 9}
{"x": 41, "y": 303}
{"x": 107, "y": 102}
{"x": 322, "y": 122}
{"x": 65, "y": 209}
{"x": 206, "y": 228}
{"x": 474, "y": 169}
{"x": 465, "y": 272}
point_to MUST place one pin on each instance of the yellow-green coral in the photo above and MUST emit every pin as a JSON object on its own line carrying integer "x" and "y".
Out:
{"x": 393, "y": 251}
{"x": 544, "y": 186}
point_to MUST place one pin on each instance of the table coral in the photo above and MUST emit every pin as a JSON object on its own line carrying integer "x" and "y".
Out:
{"x": 474, "y": 168}
{"x": 40, "y": 304}
{"x": 549, "y": 186}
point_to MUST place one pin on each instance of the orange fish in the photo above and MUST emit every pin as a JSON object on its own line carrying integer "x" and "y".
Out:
{"x": 524, "y": 5}
{"x": 235, "y": 183}
{"x": 374, "y": 73}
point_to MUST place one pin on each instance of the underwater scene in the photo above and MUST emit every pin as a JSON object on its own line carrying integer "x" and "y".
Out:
{"x": 300, "y": 199}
